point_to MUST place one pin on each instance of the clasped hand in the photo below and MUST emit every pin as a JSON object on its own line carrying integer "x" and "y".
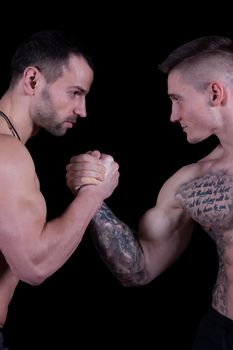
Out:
{"x": 92, "y": 168}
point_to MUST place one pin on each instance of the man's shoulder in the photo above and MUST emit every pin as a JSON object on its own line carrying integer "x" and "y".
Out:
{"x": 182, "y": 176}
{"x": 13, "y": 151}
{"x": 187, "y": 171}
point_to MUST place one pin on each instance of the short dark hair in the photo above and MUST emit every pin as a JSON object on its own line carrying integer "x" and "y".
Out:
{"x": 47, "y": 50}
{"x": 194, "y": 48}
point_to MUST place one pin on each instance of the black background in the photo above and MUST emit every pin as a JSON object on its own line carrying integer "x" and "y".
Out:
{"x": 82, "y": 305}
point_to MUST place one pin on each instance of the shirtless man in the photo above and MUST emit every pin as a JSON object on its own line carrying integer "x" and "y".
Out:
{"x": 49, "y": 82}
{"x": 200, "y": 86}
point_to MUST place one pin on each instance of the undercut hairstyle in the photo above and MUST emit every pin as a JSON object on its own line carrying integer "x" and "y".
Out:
{"x": 49, "y": 51}
{"x": 194, "y": 48}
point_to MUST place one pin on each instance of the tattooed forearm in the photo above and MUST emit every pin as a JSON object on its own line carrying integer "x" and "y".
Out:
{"x": 118, "y": 247}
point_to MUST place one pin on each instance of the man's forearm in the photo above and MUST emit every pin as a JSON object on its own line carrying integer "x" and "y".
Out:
{"x": 118, "y": 247}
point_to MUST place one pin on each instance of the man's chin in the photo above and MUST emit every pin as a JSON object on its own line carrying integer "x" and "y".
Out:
{"x": 58, "y": 133}
{"x": 193, "y": 140}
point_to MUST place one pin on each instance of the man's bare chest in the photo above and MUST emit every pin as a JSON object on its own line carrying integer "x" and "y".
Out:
{"x": 209, "y": 201}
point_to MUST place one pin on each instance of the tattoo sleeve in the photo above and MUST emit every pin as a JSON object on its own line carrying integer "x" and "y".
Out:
{"x": 118, "y": 247}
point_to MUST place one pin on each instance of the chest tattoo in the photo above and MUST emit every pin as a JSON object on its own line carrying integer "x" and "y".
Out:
{"x": 209, "y": 201}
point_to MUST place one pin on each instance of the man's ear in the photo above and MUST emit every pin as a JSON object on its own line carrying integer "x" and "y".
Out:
{"x": 217, "y": 93}
{"x": 31, "y": 78}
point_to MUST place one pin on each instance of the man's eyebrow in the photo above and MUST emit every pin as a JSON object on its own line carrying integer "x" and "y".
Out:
{"x": 173, "y": 95}
{"x": 77, "y": 87}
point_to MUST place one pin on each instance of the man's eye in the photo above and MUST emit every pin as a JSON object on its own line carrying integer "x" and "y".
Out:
{"x": 175, "y": 99}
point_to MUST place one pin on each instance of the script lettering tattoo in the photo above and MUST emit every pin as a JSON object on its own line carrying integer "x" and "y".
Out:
{"x": 118, "y": 247}
{"x": 209, "y": 200}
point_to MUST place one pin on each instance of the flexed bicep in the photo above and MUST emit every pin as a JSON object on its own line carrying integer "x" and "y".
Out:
{"x": 23, "y": 209}
{"x": 163, "y": 235}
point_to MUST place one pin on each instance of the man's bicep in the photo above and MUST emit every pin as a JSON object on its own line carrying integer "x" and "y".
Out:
{"x": 163, "y": 237}
{"x": 21, "y": 202}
